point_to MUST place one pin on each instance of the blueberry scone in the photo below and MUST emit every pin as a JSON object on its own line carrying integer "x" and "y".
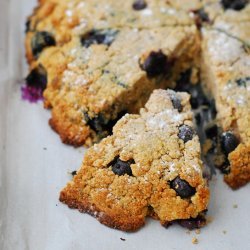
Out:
{"x": 55, "y": 22}
{"x": 226, "y": 74}
{"x": 149, "y": 166}
{"x": 96, "y": 78}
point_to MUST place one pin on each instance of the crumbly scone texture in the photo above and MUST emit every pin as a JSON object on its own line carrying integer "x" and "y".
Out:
{"x": 90, "y": 87}
{"x": 85, "y": 84}
{"x": 66, "y": 19}
{"x": 225, "y": 69}
{"x": 159, "y": 156}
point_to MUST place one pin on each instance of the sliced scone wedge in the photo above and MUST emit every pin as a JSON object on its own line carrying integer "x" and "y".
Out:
{"x": 150, "y": 166}
{"x": 226, "y": 74}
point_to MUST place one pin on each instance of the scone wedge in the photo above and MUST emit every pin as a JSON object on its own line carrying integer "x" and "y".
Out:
{"x": 150, "y": 166}
{"x": 226, "y": 75}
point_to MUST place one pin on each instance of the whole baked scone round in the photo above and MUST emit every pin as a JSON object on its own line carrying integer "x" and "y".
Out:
{"x": 150, "y": 166}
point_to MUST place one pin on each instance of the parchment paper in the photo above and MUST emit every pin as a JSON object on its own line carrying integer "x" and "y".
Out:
{"x": 35, "y": 165}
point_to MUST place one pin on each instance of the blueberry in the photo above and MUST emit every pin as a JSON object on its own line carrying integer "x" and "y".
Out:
{"x": 242, "y": 82}
{"x": 156, "y": 64}
{"x": 73, "y": 173}
{"x": 96, "y": 123}
{"x": 193, "y": 223}
{"x": 120, "y": 167}
{"x": 139, "y": 5}
{"x": 99, "y": 124}
{"x": 99, "y": 37}
{"x": 234, "y": 4}
{"x": 186, "y": 133}
{"x": 176, "y": 101}
{"x": 228, "y": 142}
{"x": 37, "y": 78}
{"x": 40, "y": 41}
{"x": 182, "y": 188}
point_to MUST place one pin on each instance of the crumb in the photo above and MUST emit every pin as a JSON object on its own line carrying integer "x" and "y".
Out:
{"x": 122, "y": 239}
{"x": 195, "y": 240}
{"x": 56, "y": 205}
{"x": 235, "y": 206}
{"x": 44, "y": 148}
{"x": 188, "y": 232}
{"x": 224, "y": 231}
{"x": 197, "y": 231}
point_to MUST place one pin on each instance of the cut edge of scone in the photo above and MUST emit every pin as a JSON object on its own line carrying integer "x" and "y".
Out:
{"x": 225, "y": 47}
{"x": 150, "y": 166}
{"x": 86, "y": 123}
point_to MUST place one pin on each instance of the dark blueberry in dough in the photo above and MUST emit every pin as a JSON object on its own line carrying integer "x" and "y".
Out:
{"x": 242, "y": 82}
{"x": 186, "y": 133}
{"x": 40, "y": 41}
{"x": 120, "y": 167}
{"x": 99, "y": 37}
{"x": 37, "y": 78}
{"x": 176, "y": 101}
{"x": 99, "y": 124}
{"x": 139, "y": 5}
{"x": 156, "y": 64}
{"x": 234, "y": 4}
{"x": 182, "y": 188}
{"x": 228, "y": 142}
{"x": 193, "y": 223}
{"x": 73, "y": 173}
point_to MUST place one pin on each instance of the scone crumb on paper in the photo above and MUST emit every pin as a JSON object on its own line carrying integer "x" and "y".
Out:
{"x": 197, "y": 231}
{"x": 235, "y": 206}
{"x": 224, "y": 231}
{"x": 195, "y": 240}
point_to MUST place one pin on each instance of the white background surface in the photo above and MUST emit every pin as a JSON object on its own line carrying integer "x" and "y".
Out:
{"x": 31, "y": 177}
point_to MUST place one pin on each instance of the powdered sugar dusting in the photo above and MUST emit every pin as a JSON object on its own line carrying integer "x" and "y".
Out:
{"x": 224, "y": 48}
{"x": 147, "y": 12}
{"x": 163, "y": 119}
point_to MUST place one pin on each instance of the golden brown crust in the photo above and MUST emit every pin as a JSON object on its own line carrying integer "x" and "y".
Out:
{"x": 239, "y": 167}
{"x": 151, "y": 140}
{"x": 114, "y": 220}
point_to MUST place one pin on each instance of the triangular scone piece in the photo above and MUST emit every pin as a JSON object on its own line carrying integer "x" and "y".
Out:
{"x": 150, "y": 165}
{"x": 226, "y": 75}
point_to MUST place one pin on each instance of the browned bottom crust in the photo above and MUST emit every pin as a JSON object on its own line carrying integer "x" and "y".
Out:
{"x": 68, "y": 135}
{"x": 239, "y": 167}
{"x": 117, "y": 222}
